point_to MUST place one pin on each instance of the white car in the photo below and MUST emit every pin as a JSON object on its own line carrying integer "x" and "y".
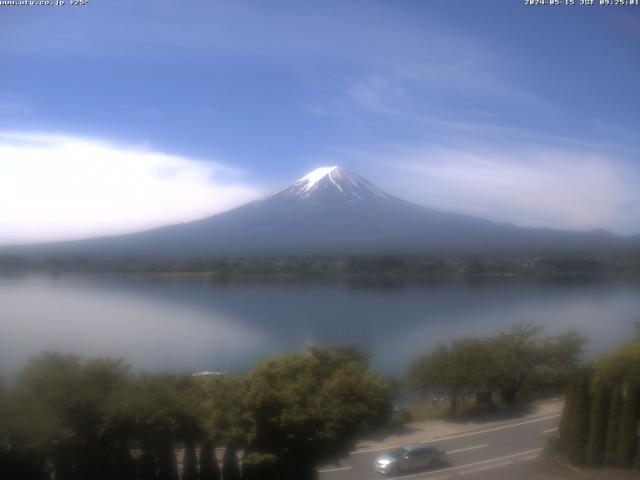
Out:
{"x": 408, "y": 458}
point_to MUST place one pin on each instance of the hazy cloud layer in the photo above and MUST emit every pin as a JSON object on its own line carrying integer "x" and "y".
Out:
{"x": 59, "y": 187}
{"x": 528, "y": 186}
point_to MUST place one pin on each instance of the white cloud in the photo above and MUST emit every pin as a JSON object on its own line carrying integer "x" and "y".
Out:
{"x": 529, "y": 186}
{"x": 60, "y": 187}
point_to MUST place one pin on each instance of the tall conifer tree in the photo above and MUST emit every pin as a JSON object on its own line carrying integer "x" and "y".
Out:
{"x": 613, "y": 426}
{"x": 598, "y": 423}
{"x": 580, "y": 420}
{"x": 629, "y": 426}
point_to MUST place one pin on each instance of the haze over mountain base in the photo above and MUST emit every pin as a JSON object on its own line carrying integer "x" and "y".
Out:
{"x": 331, "y": 211}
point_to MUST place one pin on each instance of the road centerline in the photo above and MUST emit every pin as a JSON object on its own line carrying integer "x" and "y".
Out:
{"x": 466, "y": 449}
{"x": 336, "y": 469}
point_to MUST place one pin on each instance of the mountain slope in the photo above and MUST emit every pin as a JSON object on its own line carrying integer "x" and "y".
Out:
{"x": 332, "y": 211}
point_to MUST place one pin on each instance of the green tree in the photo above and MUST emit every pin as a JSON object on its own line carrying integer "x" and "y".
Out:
{"x": 167, "y": 465}
{"x": 507, "y": 363}
{"x": 568, "y": 411}
{"x": 598, "y": 422}
{"x": 516, "y": 356}
{"x": 259, "y": 466}
{"x": 147, "y": 469}
{"x": 209, "y": 468}
{"x": 189, "y": 462}
{"x": 622, "y": 368}
{"x": 18, "y": 460}
{"x": 613, "y": 426}
{"x": 560, "y": 356}
{"x": 628, "y": 426}
{"x": 230, "y": 467}
{"x": 622, "y": 365}
{"x": 64, "y": 413}
{"x": 220, "y": 408}
{"x": 453, "y": 370}
{"x": 579, "y": 429}
{"x": 563, "y": 351}
{"x": 305, "y": 409}
{"x": 160, "y": 413}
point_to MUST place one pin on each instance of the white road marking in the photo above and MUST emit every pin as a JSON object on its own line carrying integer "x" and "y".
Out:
{"x": 462, "y": 435}
{"x": 482, "y": 462}
{"x": 526, "y": 459}
{"x": 467, "y": 449}
{"x": 337, "y": 469}
{"x": 550, "y": 430}
{"x": 484, "y": 468}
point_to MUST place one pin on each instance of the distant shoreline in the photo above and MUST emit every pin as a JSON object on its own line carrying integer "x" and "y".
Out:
{"x": 380, "y": 267}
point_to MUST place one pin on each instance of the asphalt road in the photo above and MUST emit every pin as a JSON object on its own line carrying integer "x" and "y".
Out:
{"x": 505, "y": 451}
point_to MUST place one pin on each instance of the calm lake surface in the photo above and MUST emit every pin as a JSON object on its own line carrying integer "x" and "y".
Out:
{"x": 188, "y": 325}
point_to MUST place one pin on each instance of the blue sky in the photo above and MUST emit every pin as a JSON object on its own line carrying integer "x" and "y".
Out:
{"x": 492, "y": 108}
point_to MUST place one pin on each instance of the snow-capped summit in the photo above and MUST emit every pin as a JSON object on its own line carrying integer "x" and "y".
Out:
{"x": 331, "y": 181}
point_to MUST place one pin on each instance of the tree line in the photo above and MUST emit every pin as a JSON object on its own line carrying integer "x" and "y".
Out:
{"x": 601, "y": 421}
{"x": 506, "y": 366}
{"x": 69, "y": 418}
{"x": 329, "y": 265}
{"x": 72, "y": 419}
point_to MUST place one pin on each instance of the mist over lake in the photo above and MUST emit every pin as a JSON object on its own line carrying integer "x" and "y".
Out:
{"x": 193, "y": 324}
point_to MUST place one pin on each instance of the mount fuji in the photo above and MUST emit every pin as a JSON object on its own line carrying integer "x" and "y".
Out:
{"x": 333, "y": 211}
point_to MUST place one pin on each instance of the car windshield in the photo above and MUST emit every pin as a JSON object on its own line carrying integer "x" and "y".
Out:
{"x": 397, "y": 453}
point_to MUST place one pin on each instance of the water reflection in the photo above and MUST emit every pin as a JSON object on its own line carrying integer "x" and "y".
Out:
{"x": 184, "y": 324}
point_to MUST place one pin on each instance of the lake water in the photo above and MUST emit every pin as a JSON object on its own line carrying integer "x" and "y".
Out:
{"x": 188, "y": 325}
